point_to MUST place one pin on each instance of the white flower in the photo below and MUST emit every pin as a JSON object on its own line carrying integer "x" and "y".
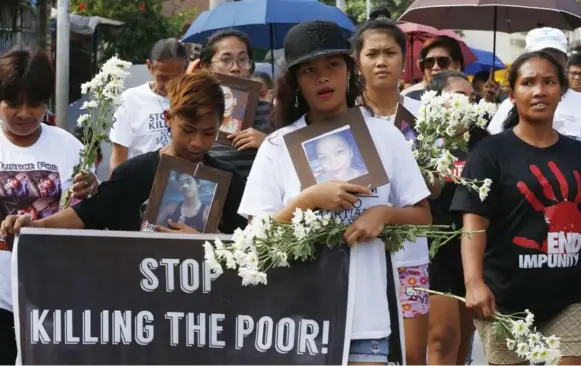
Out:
{"x": 466, "y": 136}
{"x": 553, "y": 342}
{"x": 522, "y": 350}
{"x": 519, "y": 329}
{"x": 210, "y": 258}
{"x": 510, "y": 344}
{"x": 530, "y": 318}
{"x": 297, "y": 216}
{"x": 310, "y": 217}
{"x": 242, "y": 238}
{"x": 83, "y": 118}
{"x": 538, "y": 354}
{"x": 534, "y": 338}
{"x": 89, "y": 104}
{"x": 300, "y": 232}
{"x": 258, "y": 228}
{"x": 485, "y": 189}
{"x": 251, "y": 276}
{"x": 251, "y": 260}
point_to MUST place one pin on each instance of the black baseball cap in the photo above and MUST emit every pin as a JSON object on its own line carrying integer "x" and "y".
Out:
{"x": 309, "y": 40}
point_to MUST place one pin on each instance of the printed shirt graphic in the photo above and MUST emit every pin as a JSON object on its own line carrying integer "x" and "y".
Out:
{"x": 534, "y": 235}
{"x": 31, "y": 183}
{"x": 139, "y": 123}
{"x": 268, "y": 196}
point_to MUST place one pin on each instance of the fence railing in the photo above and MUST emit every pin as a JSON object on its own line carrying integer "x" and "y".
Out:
{"x": 25, "y": 32}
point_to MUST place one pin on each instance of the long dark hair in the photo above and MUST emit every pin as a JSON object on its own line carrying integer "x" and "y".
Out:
{"x": 513, "y": 116}
{"x": 209, "y": 47}
{"x": 378, "y": 21}
{"x": 287, "y": 94}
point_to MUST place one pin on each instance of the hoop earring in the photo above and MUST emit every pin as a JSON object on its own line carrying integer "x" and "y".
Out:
{"x": 348, "y": 84}
{"x": 297, "y": 100}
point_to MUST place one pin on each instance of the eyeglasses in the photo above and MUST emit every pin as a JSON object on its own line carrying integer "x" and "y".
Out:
{"x": 575, "y": 74}
{"x": 244, "y": 63}
{"x": 443, "y": 62}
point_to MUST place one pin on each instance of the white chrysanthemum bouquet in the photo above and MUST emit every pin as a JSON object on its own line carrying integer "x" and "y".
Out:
{"x": 444, "y": 124}
{"x": 266, "y": 243}
{"x": 520, "y": 335}
{"x": 104, "y": 91}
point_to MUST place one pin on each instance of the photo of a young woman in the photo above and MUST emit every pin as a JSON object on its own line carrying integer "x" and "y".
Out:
{"x": 230, "y": 123}
{"x": 335, "y": 156}
{"x": 186, "y": 200}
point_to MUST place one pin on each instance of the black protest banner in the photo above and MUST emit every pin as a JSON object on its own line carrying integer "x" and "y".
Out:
{"x": 103, "y": 297}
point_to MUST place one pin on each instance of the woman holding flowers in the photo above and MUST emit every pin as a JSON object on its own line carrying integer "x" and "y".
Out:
{"x": 528, "y": 259}
{"x": 379, "y": 48}
{"x": 450, "y": 325}
{"x": 36, "y": 162}
{"x": 320, "y": 83}
{"x": 197, "y": 105}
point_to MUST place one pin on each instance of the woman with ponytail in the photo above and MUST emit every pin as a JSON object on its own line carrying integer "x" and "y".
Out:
{"x": 379, "y": 48}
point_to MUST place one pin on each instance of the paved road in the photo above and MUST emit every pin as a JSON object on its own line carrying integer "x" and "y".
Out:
{"x": 477, "y": 352}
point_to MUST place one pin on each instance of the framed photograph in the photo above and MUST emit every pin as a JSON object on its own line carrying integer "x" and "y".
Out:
{"x": 405, "y": 121}
{"x": 241, "y": 99}
{"x": 186, "y": 192}
{"x": 339, "y": 149}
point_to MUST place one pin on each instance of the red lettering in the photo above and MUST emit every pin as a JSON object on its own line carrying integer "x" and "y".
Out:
{"x": 457, "y": 171}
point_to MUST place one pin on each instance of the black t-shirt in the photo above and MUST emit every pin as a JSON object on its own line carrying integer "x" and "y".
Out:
{"x": 119, "y": 202}
{"x": 534, "y": 234}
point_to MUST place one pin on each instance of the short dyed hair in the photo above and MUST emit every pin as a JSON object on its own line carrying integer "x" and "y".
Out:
{"x": 195, "y": 95}
{"x": 28, "y": 74}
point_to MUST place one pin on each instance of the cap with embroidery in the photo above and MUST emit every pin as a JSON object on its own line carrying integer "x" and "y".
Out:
{"x": 542, "y": 38}
{"x": 309, "y": 40}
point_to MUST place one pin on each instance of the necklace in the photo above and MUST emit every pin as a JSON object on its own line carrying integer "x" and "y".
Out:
{"x": 392, "y": 111}
{"x": 157, "y": 97}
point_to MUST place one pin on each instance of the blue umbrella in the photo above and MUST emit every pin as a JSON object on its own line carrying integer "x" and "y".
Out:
{"x": 483, "y": 62}
{"x": 265, "y": 21}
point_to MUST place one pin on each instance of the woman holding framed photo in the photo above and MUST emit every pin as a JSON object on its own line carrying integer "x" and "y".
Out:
{"x": 379, "y": 48}
{"x": 319, "y": 85}
{"x": 197, "y": 105}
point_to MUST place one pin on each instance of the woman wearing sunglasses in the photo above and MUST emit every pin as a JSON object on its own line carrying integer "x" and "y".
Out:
{"x": 438, "y": 54}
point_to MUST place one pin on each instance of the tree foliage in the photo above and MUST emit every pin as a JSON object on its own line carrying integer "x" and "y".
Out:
{"x": 144, "y": 25}
{"x": 356, "y": 9}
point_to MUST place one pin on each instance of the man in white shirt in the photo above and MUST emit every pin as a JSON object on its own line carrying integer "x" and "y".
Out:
{"x": 567, "y": 119}
{"x": 139, "y": 125}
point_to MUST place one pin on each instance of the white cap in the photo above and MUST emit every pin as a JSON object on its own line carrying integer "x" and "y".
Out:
{"x": 541, "y": 38}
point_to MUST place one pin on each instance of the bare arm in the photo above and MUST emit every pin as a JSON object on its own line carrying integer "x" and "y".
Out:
{"x": 118, "y": 156}
{"x": 435, "y": 189}
{"x": 418, "y": 214}
{"x": 65, "y": 219}
{"x": 473, "y": 247}
{"x": 286, "y": 214}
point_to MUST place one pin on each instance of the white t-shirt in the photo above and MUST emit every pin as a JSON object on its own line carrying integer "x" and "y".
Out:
{"x": 273, "y": 182}
{"x": 139, "y": 123}
{"x": 567, "y": 119}
{"x": 417, "y": 253}
{"x": 32, "y": 180}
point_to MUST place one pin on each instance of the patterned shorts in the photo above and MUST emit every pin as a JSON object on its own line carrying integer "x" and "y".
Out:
{"x": 566, "y": 325}
{"x": 413, "y": 302}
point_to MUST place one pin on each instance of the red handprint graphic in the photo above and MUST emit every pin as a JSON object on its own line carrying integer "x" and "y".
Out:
{"x": 561, "y": 215}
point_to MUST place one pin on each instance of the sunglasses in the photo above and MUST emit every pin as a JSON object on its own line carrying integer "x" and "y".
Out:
{"x": 443, "y": 62}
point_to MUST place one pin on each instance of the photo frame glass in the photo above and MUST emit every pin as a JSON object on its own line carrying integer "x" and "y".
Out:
{"x": 339, "y": 149}
{"x": 335, "y": 155}
{"x": 241, "y": 98}
{"x": 187, "y": 193}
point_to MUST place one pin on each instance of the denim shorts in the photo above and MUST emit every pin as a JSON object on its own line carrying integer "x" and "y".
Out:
{"x": 369, "y": 350}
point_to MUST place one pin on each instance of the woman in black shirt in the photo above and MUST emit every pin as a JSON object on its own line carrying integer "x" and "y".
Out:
{"x": 450, "y": 323}
{"x": 197, "y": 104}
{"x": 529, "y": 256}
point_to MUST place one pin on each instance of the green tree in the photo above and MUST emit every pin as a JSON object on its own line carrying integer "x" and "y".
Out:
{"x": 144, "y": 24}
{"x": 356, "y": 9}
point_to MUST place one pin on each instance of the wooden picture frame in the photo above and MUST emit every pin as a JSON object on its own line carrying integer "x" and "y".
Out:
{"x": 235, "y": 89}
{"x": 211, "y": 188}
{"x": 365, "y": 164}
{"x": 405, "y": 121}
